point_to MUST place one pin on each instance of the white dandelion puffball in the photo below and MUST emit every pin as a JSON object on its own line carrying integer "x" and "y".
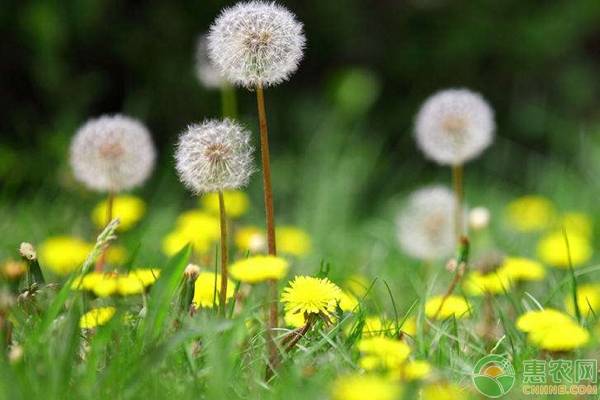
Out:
{"x": 425, "y": 227}
{"x": 256, "y": 43}
{"x": 112, "y": 153}
{"x": 206, "y": 72}
{"x": 214, "y": 156}
{"x": 454, "y": 126}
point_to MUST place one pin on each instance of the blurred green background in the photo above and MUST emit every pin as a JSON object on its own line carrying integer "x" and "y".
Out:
{"x": 341, "y": 128}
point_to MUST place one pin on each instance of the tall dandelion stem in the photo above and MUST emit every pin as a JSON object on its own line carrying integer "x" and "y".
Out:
{"x": 224, "y": 253}
{"x": 109, "y": 216}
{"x": 457, "y": 182}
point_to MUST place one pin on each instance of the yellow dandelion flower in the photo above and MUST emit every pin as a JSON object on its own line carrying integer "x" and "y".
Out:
{"x": 361, "y": 387}
{"x": 206, "y": 293}
{"x": 414, "y": 370}
{"x": 542, "y": 319}
{"x": 357, "y": 285}
{"x": 552, "y": 250}
{"x": 258, "y": 269}
{"x": 565, "y": 337}
{"x": 200, "y": 222}
{"x": 522, "y": 269}
{"x": 348, "y": 302}
{"x": 588, "y": 299}
{"x": 199, "y": 228}
{"x": 409, "y": 326}
{"x": 578, "y": 223}
{"x": 250, "y": 239}
{"x": 12, "y": 270}
{"x": 129, "y": 209}
{"x": 179, "y": 238}
{"x": 375, "y": 326}
{"x": 443, "y": 391}
{"x": 87, "y": 281}
{"x": 379, "y": 352}
{"x": 106, "y": 285}
{"x": 63, "y": 254}
{"x": 454, "y": 305}
{"x": 96, "y": 317}
{"x": 128, "y": 285}
{"x": 306, "y": 294}
{"x": 294, "y": 320}
{"x": 478, "y": 284}
{"x": 236, "y": 203}
{"x": 146, "y": 275}
{"x": 530, "y": 213}
{"x": 292, "y": 241}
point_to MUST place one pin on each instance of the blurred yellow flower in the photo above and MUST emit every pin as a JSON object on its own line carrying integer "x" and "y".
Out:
{"x": 530, "y": 213}
{"x": 380, "y": 352}
{"x": 552, "y": 250}
{"x": 236, "y": 203}
{"x": 362, "y": 387}
{"x": 306, "y": 294}
{"x": 63, "y": 254}
{"x": 588, "y": 299}
{"x": 116, "y": 254}
{"x": 577, "y": 222}
{"x": 478, "y": 284}
{"x": 178, "y": 239}
{"x": 129, "y": 285}
{"x": 347, "y": 302}
{"x": 146, "y": 275}
{"x": 207, "y": 289}
{"x": 104, "y": 284}
{"x": 552, "y": 330}
{"x": 443, "y": 391}
{"x": 357, "y": 284}
{"x": 375, "y": 326}
{"x": 250, "y": 239}
{"x": 129, "y": 209}
{"x": 454, "y": 305}
{"x": 292, "y": 241}
{"x": 414, "y": 370}
{"x": 258, "y": 269}
{"x": 518, "y": 269}
{"x": 294, "y": 320}
{"x": 96, "y": 317}
{"x": 197, "y": 227}
{"x": 13, "y": 270}
{"x": 409, "y": 326}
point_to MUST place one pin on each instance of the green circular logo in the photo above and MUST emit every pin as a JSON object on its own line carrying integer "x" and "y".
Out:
{"x": 493, "y": 376}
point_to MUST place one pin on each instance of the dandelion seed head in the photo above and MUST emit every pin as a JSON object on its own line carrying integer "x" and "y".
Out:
{"x": 454, "y": 126}
{"x": 112, "y": 153}
{"x": 207, "y": 74}
{"x": 214, "y": 156}
{"x": 256, "y": 43}
{"x": 425, "y": 226}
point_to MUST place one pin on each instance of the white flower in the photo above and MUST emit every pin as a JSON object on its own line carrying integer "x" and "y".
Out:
{"x": 479, "y": 218}
{"x": 112, "y": 153}
{"x": 256, "y": 43}
{"x": 214, "y": 156}
{"x": 454, "y": 126}
{"x": 425, "y": 227}
{"x": 206, "y": 72}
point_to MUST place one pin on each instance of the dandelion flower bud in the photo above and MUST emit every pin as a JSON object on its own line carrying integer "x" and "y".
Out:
{"x": 425, "y": 226}
{"x": 454, "y": 126}
{"x": 206, "y": 72}
{"x": 256, "y": 43}
{"x": 191, "y": 271}
{"x": 112, "y": 153}
{"x": 214, "y": 156}
{"x": 28, "y": 251}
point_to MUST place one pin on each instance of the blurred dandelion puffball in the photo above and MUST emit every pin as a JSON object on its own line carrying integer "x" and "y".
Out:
{"x": 112, "y": 153}
{"x": 256, "y": 43}
{"x": 425, "y": 226}
{"x": 213, "y": 156}
{"x": 454, "y": 126}
{"x": 206, "y": 72}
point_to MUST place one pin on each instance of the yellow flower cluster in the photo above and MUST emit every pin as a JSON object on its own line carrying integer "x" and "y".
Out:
{"x": 552, "y": 249}
{"x": 236, "y": 203}
{"x": 361, "y": 387}
{"x": 199, "y": 228}
{"x": 258, "y": 269}
{"x": 112, "y": 283}
{"x": 453, "y": 306}
{"x": 129, "y": 209}
{"x": 65, "y": 254}
{"x": 308, "y": 295}
{"x": 382, "y": 353}
{"x": 96, "y": 317}
{"x": 530, "y": 213}
{"x": 588, "y": 299}
{"x": 552, "y": 330}
{"x": 291, "y": 241}
{"x": 207, "y": 289}
{"x": 500, "y": 281}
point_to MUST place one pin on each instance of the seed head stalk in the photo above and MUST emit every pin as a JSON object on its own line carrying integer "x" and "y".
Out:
{"x": 224, "y": 254}
{"x": 109, "y": 216}
{"x": 270, "y": 222}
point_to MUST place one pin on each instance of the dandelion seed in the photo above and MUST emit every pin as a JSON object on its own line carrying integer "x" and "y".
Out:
{"x": 454, "y": 126}
{"x": 256, "y": 43}
{"x": 207, "y": 74}
{"x": 214, "y": 156}
{"x": 112, "y": 153}
{"x": 308, "y": 295}
{"x": 424, "y": 227}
